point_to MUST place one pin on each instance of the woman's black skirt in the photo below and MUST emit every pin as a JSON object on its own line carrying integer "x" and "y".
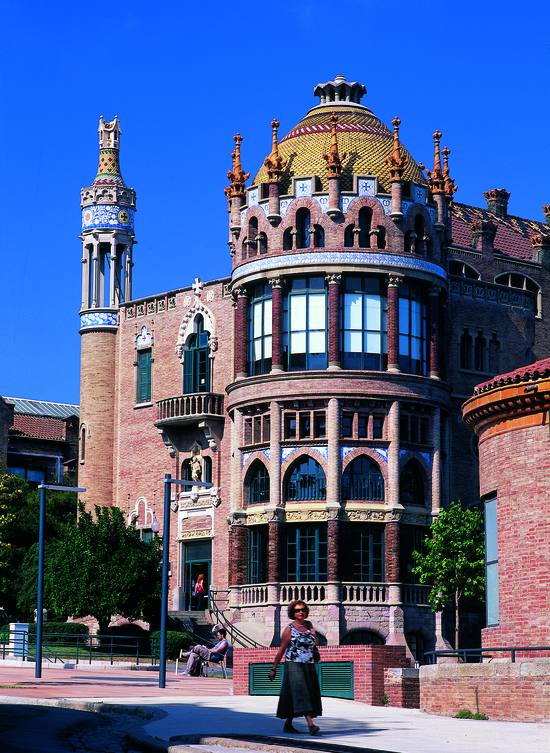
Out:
{"x": 300, "y": 693}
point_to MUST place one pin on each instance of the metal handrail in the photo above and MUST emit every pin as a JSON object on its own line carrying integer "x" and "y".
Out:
{"x": 236, "y": 636}
{"x": 463, "y": 653}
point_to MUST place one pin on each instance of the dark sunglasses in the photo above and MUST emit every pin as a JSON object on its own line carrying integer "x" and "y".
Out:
{"x": 300, "y": 610}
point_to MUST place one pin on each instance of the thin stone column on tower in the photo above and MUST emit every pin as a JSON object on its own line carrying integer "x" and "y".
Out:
{"x": 334, "y": 281}
{"x": 276, "y": 324}
{"x": 333, "y": 498}
{"x": 393, "y": 455}
{"x": 436, "y": 461}
{"x": 394, "y": 282}
{"x": 241, "y": 331}
{"x": 434, "y": 331}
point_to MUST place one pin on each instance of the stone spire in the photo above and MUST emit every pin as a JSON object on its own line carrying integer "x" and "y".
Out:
{"x": 274, "y": 163}
{"x": 396, "y": 159}
{"x": 436, "y": 180}
{"x": 449, "y": 184}
{"x": 237, "y": 175}
{"x": 333, "y": 159}
{"x": 108, "y": 169}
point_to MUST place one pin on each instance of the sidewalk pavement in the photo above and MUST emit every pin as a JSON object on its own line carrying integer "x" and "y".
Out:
{"x": 205, "y": 706}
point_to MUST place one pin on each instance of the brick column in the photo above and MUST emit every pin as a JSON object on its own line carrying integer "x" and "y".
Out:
{"x": 276, "y": 324}
{"x": 391, "y": 551}
{"x": 236, "y": 495}
{"x": 274, "y": 550}
{"x": 392, "y": 496}
{"x": 240, "y": 333}
{"x": 394, "y": 281}
{"x": 436, "y": 463}
{"x": 434, "y": 332}
{"x": 238, "y": 554}
{"x": 333, "y": 464}
{"x": 334, "y": 320}
{"x": 275, "y": 455}
{"x": 95, "y": 267}
{"x": 333, "y": 534}
{"x": 274, "y": 215}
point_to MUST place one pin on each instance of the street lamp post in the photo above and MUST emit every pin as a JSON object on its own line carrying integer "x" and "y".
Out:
{"x": 40, "y": 578}
{"x": 168, "y": 481}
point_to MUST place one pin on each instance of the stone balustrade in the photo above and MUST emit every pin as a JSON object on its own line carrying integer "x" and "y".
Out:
{"x": 185, "y": 408}
{"x": 351, "y": 594}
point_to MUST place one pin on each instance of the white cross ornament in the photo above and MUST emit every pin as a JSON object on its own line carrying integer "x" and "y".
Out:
{"x": 197, "y": 287}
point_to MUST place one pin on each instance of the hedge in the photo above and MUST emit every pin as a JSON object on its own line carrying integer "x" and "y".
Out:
{"x": 175, "y": 641}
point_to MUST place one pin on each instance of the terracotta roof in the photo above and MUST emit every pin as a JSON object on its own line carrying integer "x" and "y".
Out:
{"x": 361, "y": 135}
{"x": 39, "y": 427}
{"x": 513, "y": 236}
{"x": 528, "y": 373}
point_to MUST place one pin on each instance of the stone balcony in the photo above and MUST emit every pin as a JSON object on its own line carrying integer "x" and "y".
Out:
{"x": 203, "y": 410}
{"x": 346, "y": 593}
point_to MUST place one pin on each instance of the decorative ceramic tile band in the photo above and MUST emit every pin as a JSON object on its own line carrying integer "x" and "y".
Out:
{"x": 98, "y": 319}
{"x": 366, "y": 259}
{"x": 108, "y": 216}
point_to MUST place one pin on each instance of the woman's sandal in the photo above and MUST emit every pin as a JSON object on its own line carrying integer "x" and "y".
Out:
{"x": 314, "y": 729}
{"x": 289, "y": 727}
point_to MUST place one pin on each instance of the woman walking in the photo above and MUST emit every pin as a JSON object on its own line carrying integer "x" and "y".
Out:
{"x": 300, "y": 693}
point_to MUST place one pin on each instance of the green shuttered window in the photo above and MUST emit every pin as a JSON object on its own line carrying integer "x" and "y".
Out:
{"x": 335, "y": 679}
{"x": 143, "y": 382}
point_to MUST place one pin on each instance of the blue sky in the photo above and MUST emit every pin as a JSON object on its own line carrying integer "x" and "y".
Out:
{"x": 183, "y": 78}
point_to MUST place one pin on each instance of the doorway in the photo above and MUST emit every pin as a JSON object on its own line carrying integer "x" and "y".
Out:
{"x": 197, "y": 562}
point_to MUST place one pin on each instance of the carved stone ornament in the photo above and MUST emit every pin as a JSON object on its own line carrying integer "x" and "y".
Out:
{"x": 361, "y": 516}
{"x": 215, "y": 498}
{"x": 187, "y": 326}
{"x": 333, "y": 279}
{"x": 236, "y": 517}
{"x": 256, "y": 518}
{"x": 200, "y": 533}
{"x": 306, "y": 516}
{"x": 394, "y": 515}
{"x": 333, "y": 512}
{"x": 144, "y": 340}
{"x": 394, "y": 281}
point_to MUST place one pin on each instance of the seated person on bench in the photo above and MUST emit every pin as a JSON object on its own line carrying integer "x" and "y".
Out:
{"x": 214, "y": 654}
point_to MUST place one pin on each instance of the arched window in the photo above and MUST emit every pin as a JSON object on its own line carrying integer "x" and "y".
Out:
{"x": 318, "y": 237}
{"x": 287, "y": 239}
{"x": 303, "y": 222}
{"x": 348, "y": 236}
{"x": 412, "y": 485}
{"x": 465, "y": 350}
{"x": 259, "y": 352}
{"x": 365, "y": 222}
{"x": 252, "y": 229}
{"x": 364, "y": 324}
{"x": 480, "y": 352}
{"x": 207, "y": 469}
{"x": 82, "y": 444}
{"x": 186, "y": 472}
{"x": 412, "y": 330}
{"x": 262, "y": 243}
{"x": 305, "y": 324}
{"x": 256, "y": 484}
{"x": 363, "y": 480}
{"x": 460, "y": 269}
{"x": 196, "y": 364}
{"x": 521, "y": 282}
{"x": 305, "y": 480}
{"x": 420, "y": 232}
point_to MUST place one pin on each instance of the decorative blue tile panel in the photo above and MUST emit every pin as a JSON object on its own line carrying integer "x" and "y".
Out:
{"x": 345, "y": 201}
{"x": 383, "y": 452}
{"x": 284, "y": 204}
{"x": 322, "y": 201}
{"x": 426, "y": 457}
{"x": 322, "y": 450}
{"x": 244, "y": 457}
{"x": 287, "y": 452}
{"x": 419, "y": 194}
{"x": 405, "y": 206}
{"x": 366, "y": 186}
{"x": 266, "y": 454}
{"x": 431, "y": 212}
{"x": 367, "y": 259}
{"x": 345, "y": 451}
{"x": 265, "y": 207}
{"x": 252, "y": 197}
{"x": 109, "y": 216}
{"x": 99, "y": 319}
{"x": 386, "y": 203}
{"x": 302, "y": 187}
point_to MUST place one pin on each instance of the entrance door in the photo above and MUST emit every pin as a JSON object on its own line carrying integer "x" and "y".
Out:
{"x": 197, "y": 560}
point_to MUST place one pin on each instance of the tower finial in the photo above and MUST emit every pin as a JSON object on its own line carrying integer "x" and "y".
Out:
{"x": 397, "y": 159}
{"x": 237, "y": 175}
{"x": 449, "y": 184}
{"x": 436, "y": 179}
{"x": 108, "y": 170}
{"x": 333, "y": 158}
{"x": 274, "y": 163}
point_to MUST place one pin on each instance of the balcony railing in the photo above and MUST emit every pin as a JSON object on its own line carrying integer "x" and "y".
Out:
{"x": 414, "y": 595}
{"x": 370, "y": 488}
{"x": 351, "y": 593}
{"x": 365, "y": 593}
{"x": 305, "y": 489}
{"x": 311, "y": 593}
{"x": 188, "y": 408}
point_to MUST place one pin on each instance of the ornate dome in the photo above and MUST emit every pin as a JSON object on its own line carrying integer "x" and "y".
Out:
{"x": 362, "y": 136}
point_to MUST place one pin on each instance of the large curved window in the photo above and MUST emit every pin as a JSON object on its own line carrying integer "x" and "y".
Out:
{"x": 306, "y": 553}
{"x": 256, "y": 484}
{"x": 412, "y": 489}
{"x": 521, "y": 282}
{"x": 461, "y": 269}
{"x": 259, "y": 355}
{"x": 196, "y": 365}
{"x": 412, "y": 330}
{"x": 363, "y": 480}
{"x": 364, "y": 324}
{"x": 305, "y": 480}
{"x": 305, "y": 324}
{"x": 303, "y": 223}
{"x": 362, "y": 553}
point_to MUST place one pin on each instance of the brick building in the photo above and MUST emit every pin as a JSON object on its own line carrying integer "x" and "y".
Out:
{"x": 42, "y": 439}
{"x": 318, "y": 385}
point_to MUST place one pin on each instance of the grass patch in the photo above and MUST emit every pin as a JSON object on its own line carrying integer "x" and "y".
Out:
{"x": 467, "y": 714}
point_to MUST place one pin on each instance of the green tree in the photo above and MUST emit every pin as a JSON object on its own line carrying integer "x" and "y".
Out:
{"x": 98, "y": 567}
{"x": 453, "y": 561}
{"x": 19, "y": 506}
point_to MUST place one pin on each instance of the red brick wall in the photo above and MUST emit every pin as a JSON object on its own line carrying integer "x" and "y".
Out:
{"x": 402, "y": 687}
{"x": 506, "y": 691}
{"x": 370, "y": 663}
{"x": 516, "y": 467}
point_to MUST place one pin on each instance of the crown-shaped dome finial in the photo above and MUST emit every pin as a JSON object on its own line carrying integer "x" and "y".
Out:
{"x": 108, "y": 169}
{"x": 340, "y": 90}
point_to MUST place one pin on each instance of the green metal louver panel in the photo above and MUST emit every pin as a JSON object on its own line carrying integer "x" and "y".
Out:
{"x": 335, "y": 679}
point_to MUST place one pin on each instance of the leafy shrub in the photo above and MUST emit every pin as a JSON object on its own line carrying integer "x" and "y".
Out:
{"x": 467, "y": 714}
{"x": 384, "y": 700}
{"x": 63, "y": 632}
{"x": 175, "y": 642}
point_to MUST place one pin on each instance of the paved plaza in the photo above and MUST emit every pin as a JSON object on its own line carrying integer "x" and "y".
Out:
{"x": 204, "y": 707}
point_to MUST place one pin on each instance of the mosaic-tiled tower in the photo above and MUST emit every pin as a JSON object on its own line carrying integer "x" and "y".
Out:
{"x": 108, "y": 207}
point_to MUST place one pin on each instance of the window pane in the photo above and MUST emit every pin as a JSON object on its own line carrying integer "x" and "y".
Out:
{"x": 353, "y": 317}
{"x": 374, "y": 342}
{"x": 257, "y": 350}
{"x": 317, "y": 311}
{"x": 316, "y": 342}
{"x": 492, "y": 594}
{"x": 267, "y": 347}
{"x": 373, "y": 311}
{"x": 353, "y": 342}
{"x": 403, "y": 315}
{"x": 415, "y": 318}
{"x": 404, "y": 344}
{"x": 298, "y": 313}
{"x": 298, "y": 342}
{"x": 491, "y": 547}
{"x": 415, "y": 348}
{"x": 257, "y": 318}
{"x": 267, "y": 317}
